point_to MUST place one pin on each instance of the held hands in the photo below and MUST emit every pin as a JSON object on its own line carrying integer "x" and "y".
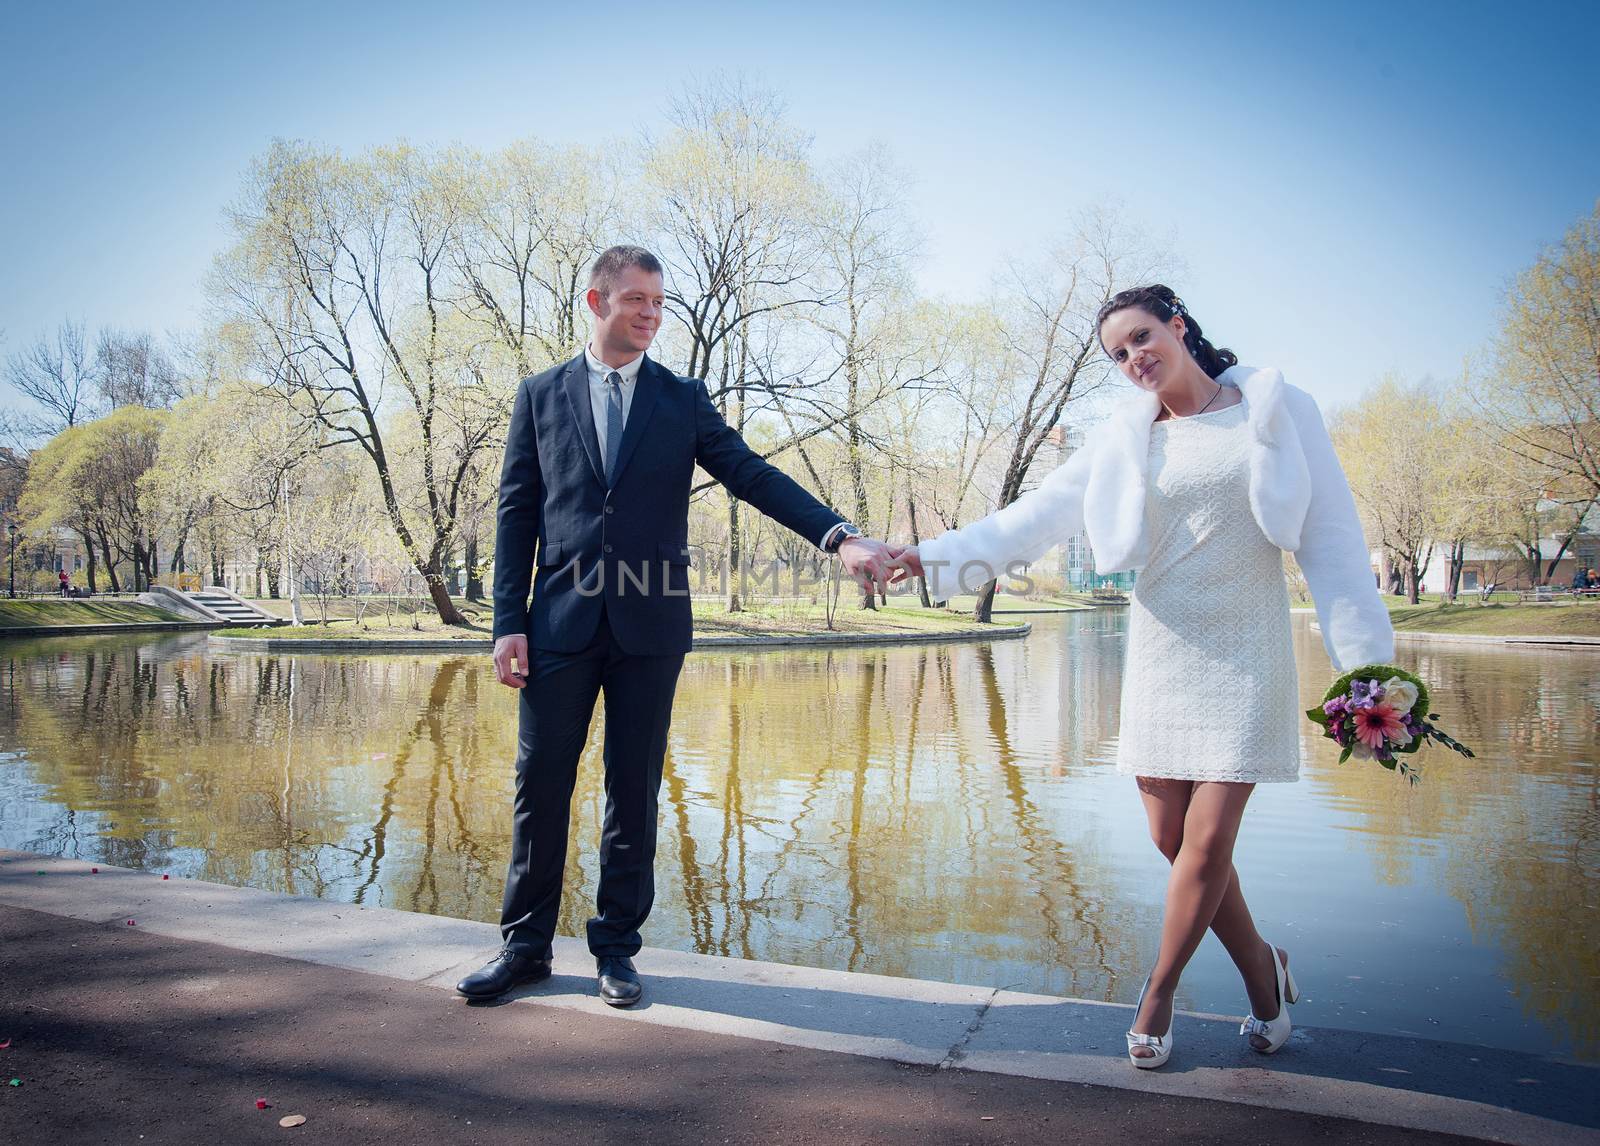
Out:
{"x": 511, "y": 647}
{"x": 867, "y": 560}
{"x": 879, "y": 564}
{"x": 907, "y": 563}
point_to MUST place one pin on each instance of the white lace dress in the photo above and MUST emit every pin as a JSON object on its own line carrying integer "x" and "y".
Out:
{"x": 1209, "y": 691}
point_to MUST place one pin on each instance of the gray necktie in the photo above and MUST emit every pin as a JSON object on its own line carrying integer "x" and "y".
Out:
{"x": 613, "y": 422}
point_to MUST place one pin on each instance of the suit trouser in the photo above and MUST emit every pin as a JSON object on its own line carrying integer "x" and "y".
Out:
{"x": 555, "y": 709}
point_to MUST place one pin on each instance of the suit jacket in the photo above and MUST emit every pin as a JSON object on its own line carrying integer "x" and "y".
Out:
{"x": 1298, "y": 496}
{"x": 621, "y": 547}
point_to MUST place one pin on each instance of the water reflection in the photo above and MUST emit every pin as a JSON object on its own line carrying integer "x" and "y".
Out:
{"x": 946, "y": 812}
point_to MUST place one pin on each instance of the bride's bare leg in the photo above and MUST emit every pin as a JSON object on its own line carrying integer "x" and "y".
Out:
{"x": 1202, "y": 876}
{"x": 1236, "y": 927}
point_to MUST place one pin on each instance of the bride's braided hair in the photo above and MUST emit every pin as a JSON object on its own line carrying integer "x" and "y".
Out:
{"x": 1161, "y": 302}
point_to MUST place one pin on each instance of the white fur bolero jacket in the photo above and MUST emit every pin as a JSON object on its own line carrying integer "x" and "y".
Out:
{"x": 1298, "y": 495}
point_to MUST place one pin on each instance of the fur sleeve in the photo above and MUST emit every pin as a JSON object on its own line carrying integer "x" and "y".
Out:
{"x": 1333, "y": 553}
{"x": 961, "y": 560}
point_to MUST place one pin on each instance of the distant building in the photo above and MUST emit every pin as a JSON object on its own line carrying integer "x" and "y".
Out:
{"x": 1506, "y": 568}
{"x": 1075, "y": 559}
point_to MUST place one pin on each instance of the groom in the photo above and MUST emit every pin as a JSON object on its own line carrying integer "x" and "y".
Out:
{"x": 594, "y": 492}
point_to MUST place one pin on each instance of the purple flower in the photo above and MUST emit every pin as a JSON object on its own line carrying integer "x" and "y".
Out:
{"x": 1336, "y": 708}
{"x": 1365, "y": 693}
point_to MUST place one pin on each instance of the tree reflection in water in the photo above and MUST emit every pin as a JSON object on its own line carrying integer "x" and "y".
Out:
{"x": 938, "y": 811}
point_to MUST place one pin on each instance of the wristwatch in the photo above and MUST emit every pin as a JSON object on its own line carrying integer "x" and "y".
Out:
{"x": 841, "y": 533}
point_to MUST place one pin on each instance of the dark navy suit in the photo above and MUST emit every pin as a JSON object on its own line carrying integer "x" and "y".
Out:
{"x": 609, "y": 614}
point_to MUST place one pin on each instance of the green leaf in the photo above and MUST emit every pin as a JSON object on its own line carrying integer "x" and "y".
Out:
{"x": 1380, "y": 673}
{"x": 1345, "y": 755}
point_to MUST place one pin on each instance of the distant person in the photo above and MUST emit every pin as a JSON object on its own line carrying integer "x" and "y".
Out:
{"x": 1201, "y": 482}
{"x": 594, "y": 494}
{"x": 1580, "y": 579}
{"x": 65, "y": 582}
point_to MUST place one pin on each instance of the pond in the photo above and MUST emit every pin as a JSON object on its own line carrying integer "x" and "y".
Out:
{"x": 945, "y": 812}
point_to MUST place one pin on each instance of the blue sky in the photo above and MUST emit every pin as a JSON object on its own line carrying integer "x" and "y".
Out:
{"x": 1347, "y": 187}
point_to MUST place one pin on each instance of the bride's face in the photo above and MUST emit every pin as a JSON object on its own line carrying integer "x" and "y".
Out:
{"x": 1150, "y": 353}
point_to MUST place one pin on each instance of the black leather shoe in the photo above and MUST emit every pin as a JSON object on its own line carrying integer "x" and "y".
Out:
{"x": 513, "y": 967}
{"x": 619, "y": 982}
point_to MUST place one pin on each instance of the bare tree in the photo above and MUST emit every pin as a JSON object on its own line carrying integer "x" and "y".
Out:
{"x": 867, "y": 245}
{"x": 341, "y": 271}
{"x": 533, "y": 219}
{"x": 133, "y": 370}
{"x": 59, "y": 374}
{"x": 735, "y": 189}
{"x": 1055, "y": 347}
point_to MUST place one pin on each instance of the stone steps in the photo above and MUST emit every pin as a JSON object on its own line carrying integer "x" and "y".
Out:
{"x": 232, "y": 610}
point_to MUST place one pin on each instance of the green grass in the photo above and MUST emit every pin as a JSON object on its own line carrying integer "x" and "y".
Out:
{"x": 711, "y": 619}
{"x": 1066, "y": 603}
{"x": 1567, "y": 619}
{"x": 91, "y": 612}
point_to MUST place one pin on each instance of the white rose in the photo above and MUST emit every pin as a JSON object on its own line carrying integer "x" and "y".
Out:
{"x": 1361, "y": 752}
{"x": 1399, "y": 695}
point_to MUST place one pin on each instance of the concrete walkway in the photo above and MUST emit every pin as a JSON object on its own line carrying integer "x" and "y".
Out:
{"x": 215, "y": 996}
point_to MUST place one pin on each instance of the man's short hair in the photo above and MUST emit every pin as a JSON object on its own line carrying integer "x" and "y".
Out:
{"x": 614, "y": 260}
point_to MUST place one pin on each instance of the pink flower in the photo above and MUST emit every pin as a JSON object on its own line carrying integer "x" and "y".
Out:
{"x": 1376, "y": 724}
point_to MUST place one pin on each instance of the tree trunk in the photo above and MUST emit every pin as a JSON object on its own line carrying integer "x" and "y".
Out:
{"x": 111, "y": 563}
{"x": 88, "y": 549}
{"x": 180, "y": 561}
{"x": 983, "y": 611}
{"x": 853, "y": 438}
{"x": 474, "y": 570}
{"x": 1550, "y": 570}
{"x": 1412, "y": 577}
{"x": 734, "y": 604}
{"x": 273, "y": 576}
{"x": 916, "y": 539}
{"x": 439, "y": 590}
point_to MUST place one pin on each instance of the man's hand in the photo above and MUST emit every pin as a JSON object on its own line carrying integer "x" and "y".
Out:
{"x": 905, "y": 562}
{"x": 509, "y": 648}
{"x": 867, "y": 560}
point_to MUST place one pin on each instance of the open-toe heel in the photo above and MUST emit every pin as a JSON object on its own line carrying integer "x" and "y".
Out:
{"x": 1275, "y": 1031}
{"x": 1160, "y": 1046}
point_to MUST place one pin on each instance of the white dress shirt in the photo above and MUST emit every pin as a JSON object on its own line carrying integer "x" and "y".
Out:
{"x": 598, "y": 372}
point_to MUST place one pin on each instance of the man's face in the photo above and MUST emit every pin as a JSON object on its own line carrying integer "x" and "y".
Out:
{"x": 627, "y": 317}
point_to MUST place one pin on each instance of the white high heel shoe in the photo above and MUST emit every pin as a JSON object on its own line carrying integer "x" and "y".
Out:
{"x": 1275, "y": 1031}
{"x": 1159, "y": 1045}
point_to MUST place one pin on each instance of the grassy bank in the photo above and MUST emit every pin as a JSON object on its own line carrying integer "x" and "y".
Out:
{"x": 711, "y": 619}
{"x": 1567, "y": 619}
{"x": 66, "y": 613}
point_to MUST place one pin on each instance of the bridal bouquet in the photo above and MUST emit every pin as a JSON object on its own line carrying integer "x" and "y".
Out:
{"x": 1380, "y": 713}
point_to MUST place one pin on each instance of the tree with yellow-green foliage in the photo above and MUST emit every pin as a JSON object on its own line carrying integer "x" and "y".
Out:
{"x": 1391, "y": 446}
{"x": 1540, "y": 390}
{"x": 87, "y": 479}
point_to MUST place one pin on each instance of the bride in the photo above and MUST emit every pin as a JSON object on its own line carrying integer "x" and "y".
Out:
{"x": 1199, "y": 481}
